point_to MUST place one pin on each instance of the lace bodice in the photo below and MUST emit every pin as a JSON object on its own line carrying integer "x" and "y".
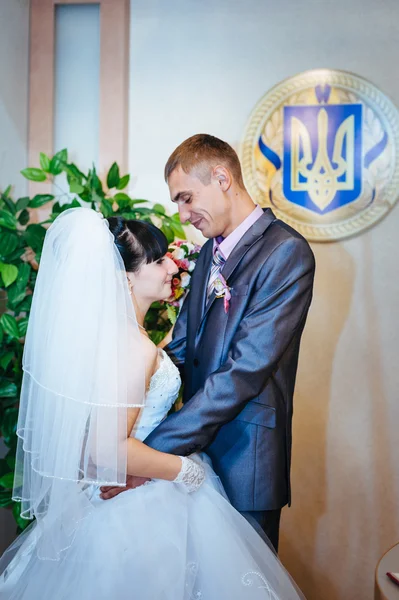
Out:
{"x": 162, "y": 393}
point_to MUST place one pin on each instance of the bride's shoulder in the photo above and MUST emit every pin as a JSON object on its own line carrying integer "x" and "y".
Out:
{"x": 151, "y": 357}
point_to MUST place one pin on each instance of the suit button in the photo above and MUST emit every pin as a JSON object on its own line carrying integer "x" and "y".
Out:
{"x": 195, "y": 362}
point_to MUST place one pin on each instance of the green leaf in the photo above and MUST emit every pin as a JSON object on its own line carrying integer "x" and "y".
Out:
{"x": 140, "y": 201}
{"x": 73, "y": 172}
{"x": 75, "y": 187}
{"x": 8, "y": 389}
{"x": 8, "y": 243}
{"x": 17, "y": 292}
{"x": 106, "y": 208}
{"x": 26, "y": 303}
{"x": 9, "y": 424}
{"x": 172, "y": 314}
{"x": 7, "y": 220}
{"x": 159, "y": 208}
{"x": 58, "y": 162}
{"x": 120, "y": 196}
{"x": 10, "y": 460}
{"x": 40, "y": 199}
{"x": 22, "y": 203}
{"x": 23, "y": 326}
{"x": 34, "y": 236}
{"x": 177, "y": 230}
{"x": 9, "y": 325}
{"x": 9, "y": 273}
{"x": 123, "y": 182}
{"x": 24, "y": 217}
{"x": 5, "y": 498}
{"x": 7, "y": 191}
{"x": 44, "y": 162}
{"x": 34, "y": 174}
{"x": 6, "y": 359}
{"x": 168, "y": 231}
{"x": 113, "y": 177}
{"x": 7, "y": 481}
{"x": 9, "y": 203}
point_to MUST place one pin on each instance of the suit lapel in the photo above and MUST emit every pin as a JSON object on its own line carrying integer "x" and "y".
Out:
{"x": 200, "y": 278}
{"x": 253, "y": 234}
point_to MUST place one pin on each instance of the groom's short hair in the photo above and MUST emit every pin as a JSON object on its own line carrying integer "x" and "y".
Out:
{"x": 201, "y": 153}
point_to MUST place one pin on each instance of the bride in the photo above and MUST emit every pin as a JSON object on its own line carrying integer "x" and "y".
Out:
{"x": 95, "y": 386}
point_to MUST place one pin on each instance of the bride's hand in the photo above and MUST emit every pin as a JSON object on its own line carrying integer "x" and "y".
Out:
{"x": 191, "y": 474}
{"x": 132, "y": 482}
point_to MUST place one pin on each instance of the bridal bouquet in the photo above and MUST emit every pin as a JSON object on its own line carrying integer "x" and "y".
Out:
{"x": 185, "y": 255}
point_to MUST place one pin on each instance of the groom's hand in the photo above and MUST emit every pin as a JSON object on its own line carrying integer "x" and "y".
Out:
{"x": 132, "y": 482}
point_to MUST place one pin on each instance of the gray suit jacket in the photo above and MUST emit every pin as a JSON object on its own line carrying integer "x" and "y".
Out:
{"x": 239, "y": 368}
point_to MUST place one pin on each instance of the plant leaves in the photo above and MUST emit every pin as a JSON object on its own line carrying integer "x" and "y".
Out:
{"x": 7, "y": 220}
{"x": 6, "y": 359}
{"x": 10, "y": 460}
{"x": 75, "y": 187}
{"x": 140, "y": 201}
{"x": 9, "y": 424}
{"x": 168, "y": 231}
{"x": 58, "y": 162}
{"x": 34, "y": 236}
{"x": 113, "y": 176}
{"x": 9, "y": 273}
{"x": 177, "y": 229}
{"x": 7, "y": 389}
{"x": 7, "y": 481}
{"x": 44, "y": 162}
{"x": 23, "y": 326}
{"x": 34, "y": 174}
{"x": 106, "y": 208}
{"x": 7, "y": 191}
{"x": 171, "y": 312}
{"x": 40, "y": 199}
{"x": 24, "y": 217}
{"x": 159, "y": 208}
{"x": 9, "y": 325}
{"x": 5, "y": 498}
{"x": 123, "y": 182}
{"x": 9, "y": 203}
{"x": 22, "y": 203}
{"x": 8, "y": 243}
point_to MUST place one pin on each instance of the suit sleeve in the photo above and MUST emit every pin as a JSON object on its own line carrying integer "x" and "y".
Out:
{"x": 277, "y": 310}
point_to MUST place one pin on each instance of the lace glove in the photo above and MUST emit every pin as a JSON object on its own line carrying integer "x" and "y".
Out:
{"x": 191, "y": 474}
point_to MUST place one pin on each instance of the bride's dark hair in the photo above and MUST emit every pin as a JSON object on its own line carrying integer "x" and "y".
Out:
{"x": 138, "y": 242}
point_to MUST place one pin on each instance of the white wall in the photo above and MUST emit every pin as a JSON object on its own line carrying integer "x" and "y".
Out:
{"x": 14, "y": 39}
{"x": 201, "y": 67}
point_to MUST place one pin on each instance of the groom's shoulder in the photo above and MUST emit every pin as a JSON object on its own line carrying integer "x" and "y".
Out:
{"x": 282, "y": 240}
{"x": 282, "y": 233}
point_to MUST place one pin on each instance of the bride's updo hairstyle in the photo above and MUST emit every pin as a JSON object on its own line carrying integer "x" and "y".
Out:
{"x": 138, "y": 242}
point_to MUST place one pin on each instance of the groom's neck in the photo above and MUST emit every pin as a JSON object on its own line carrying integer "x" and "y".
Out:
{"x": 242, "y": 206}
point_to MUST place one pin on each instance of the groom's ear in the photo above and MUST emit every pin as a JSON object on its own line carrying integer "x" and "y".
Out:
{"x": 222, "y": 177}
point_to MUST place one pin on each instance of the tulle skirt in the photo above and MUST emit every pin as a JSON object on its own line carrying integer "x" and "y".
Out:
{"x": 156, "y": 542}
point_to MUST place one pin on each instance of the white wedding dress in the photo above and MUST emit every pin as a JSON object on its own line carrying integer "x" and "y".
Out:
{"x": 157, "y": 542}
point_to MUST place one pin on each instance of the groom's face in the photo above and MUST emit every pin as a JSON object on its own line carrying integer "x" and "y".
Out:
{"x": 204, "y": 206}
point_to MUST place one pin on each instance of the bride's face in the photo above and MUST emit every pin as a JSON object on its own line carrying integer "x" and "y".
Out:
{"x": 154, "y": 281}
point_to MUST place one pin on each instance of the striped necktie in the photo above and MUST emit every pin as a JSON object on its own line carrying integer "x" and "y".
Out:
{"x": 218, "y": 262}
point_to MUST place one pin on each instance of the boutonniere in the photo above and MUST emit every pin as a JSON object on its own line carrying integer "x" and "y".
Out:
{"x": 222, "y": 290}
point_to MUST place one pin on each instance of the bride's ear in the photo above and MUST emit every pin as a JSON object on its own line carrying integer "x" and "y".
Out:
{"x": 130, "y": 281}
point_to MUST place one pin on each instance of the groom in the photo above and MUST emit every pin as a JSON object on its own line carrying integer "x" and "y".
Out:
{"x": 238, "y": 334}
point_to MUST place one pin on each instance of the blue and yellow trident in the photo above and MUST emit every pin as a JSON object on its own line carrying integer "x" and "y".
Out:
{"x": 322, "y": 155}
{"x": 323, "y": 161}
